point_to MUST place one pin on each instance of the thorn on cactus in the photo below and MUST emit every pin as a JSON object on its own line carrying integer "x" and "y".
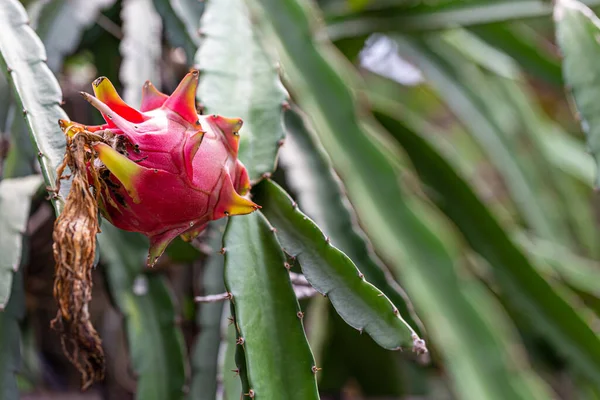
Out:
{"x": 315, "y": 369}
{"x": 240, "y": 341}
{"x": 222, "y": 251}
{"x": 236, "y": 372}
{"x": 300, "y": 314}
{"x": 419, "y": 345}
{"x": 250, "y": 393}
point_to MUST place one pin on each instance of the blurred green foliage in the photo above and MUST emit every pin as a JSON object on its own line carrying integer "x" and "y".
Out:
{"x": 425, "y": 181}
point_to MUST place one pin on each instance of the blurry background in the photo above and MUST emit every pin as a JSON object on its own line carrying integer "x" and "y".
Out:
{"x": 477, "y": 89}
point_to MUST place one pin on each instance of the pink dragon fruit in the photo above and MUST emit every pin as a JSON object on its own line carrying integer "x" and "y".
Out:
{"x": 165, "y": 171}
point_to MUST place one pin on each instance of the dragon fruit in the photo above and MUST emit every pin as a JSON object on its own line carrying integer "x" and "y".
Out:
{"x": 164, "y": 170}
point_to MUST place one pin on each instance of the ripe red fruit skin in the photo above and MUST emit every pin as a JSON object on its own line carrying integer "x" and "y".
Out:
{"x": 167, "y": 170}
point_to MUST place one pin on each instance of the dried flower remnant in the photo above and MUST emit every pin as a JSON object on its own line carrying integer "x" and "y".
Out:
{"x": 163, "y": 171}
{"x": 74, "y": 250}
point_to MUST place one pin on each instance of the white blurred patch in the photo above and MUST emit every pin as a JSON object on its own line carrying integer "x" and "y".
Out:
{"x": 380, "y": 55}
{"x": 140, "y": 285}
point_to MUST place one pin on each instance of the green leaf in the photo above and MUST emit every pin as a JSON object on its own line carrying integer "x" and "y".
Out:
{"x": 266, "y": 313}
{"x": 521, "y": 284}
{"x": 321, "y": 196}
{"x": 424, "y": 17}
{"x": 36, "y": 90}
{"x": 577, "y": 30}
{"x": 156, "y": 343}
{"x": 460, "y": 317}
{"x": 140, "y": 47}
{"x": 61, "y": 23}
{"x": 15, "y": 201}
{"x": 205, "y": 358}
{"x": 362, "y": 305}
{"x": 238, "y": 79}
{"x": 10, "y": 340}
{"x": 178, "y": 33}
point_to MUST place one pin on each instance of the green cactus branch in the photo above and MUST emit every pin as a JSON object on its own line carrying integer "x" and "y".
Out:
{"x": 15, "y": 201}
{"x": 206, "y": 355}
{"x": 548, "y": 311}
{"x": 332, "y": 273}
{"x": 37, "y": 93}
{"x": 10, "y": 340}
{"x": 577, "y": 30}
{"x": 178, "y": 33}
{"x": 458, "y": 315}
{"x": 140, "y": 48}
{"x": 233, "y": 62}
{"x": 458, "y": 89}
{"x": 155, "y": 342}
{"x": 61, "y": 23}
{"x": 321, "y": 197}
{"x": 266, "y": 314}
